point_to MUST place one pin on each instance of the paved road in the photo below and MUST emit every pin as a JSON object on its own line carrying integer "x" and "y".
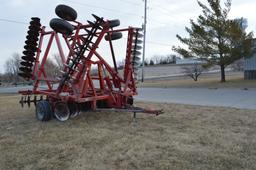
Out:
{"x": 198, "y": 96}
{"x": 14, "y": 89}
{"x": 195, "y": 96}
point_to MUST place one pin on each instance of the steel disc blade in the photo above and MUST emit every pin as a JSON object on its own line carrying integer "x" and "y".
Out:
{"x": 138, "y": 35}
{"x": 136, "y": 58}
{"x": 138, "y": 41}
{"x": 34, "y": 27}
{"x": 136, "y": 53}
{"x": 30, "y": 47}
{"x": 25, "y": 69}
{"x": 90, "y": 22}
{"x": 28, "y": 52}
{"x": 32, "y": 38}
{"x": 137, "y": 47}
{"x": 96, "y": 17}
{"x": 26, "y": 64}
{"x": 136, "y": 62}
{"x": 32, "y": 43}
{"x": 136, "y": 67}
{"x": 138, "y": 29}
{"x": 33, "y": 33}
{"x": 28, "y": 58}
{"x": 35, "y": 19}
{"x": 35, "y": 22}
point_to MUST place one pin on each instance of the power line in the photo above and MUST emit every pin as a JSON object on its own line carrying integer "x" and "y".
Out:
{"x": 102, "y": 8}
{"x": 13, "y": 21}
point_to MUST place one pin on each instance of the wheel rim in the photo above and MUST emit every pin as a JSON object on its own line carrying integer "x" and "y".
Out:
{"x": 39, "y": 112}
{"x": 74, "y": 110}
{"x": 61, "y": 111}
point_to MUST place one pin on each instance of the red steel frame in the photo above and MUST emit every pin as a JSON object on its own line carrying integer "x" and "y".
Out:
{"x": 115, "y": 89}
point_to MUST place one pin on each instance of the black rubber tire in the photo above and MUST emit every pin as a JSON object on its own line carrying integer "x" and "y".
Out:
{"x": 113, "y": 36}
{"x": 114, "y": 23}
{"x": 61, "y": 26}
{"x": 43, "y": 110}
{"x": 66, "y": 12}
{"x": 61, "y": 111}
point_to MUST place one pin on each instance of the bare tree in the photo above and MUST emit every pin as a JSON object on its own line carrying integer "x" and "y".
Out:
{"x": 51, "y": 68}
{"x": 120, "y": 64}
{"x": 58, "y": 61}
{"x": 193, "y": 71}
{"x": 163, "y": 59}
{"x": 156, "y": 59}
{"x": 12, "y": 68}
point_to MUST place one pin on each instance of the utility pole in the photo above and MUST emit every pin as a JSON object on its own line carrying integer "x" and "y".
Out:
{"x": 144, "y": 26}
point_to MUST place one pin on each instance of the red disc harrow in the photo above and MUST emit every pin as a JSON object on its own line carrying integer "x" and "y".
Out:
{"x": 87, "y": 81}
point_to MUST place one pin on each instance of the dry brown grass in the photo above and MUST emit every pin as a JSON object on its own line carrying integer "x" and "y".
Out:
{"x": 205, "y": 81}
{"x": 185, "y": 137}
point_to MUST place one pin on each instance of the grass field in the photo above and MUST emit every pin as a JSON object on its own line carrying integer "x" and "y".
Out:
{"x": 184, "y": 137}
{"x": 235, "y": 80}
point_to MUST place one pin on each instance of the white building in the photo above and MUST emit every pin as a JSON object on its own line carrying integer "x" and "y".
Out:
{"x": 250, "y": 65}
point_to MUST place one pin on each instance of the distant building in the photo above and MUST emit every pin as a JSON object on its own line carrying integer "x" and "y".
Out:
{"x": 188, "y": 61}
{"x": 250, "y": 65}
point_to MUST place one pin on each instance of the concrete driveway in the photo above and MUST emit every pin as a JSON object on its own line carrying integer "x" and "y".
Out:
{"x": 236, "y": 98}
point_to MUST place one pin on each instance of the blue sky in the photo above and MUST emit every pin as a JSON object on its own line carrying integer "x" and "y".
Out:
{"x": 166, "y": 18}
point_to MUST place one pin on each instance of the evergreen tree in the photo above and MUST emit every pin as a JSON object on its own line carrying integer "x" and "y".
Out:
{"x": 216, "y": 39}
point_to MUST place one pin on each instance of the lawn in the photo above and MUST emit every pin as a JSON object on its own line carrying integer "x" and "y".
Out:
{"x": 184, "y": 137}
{"x": 235, "y": 80}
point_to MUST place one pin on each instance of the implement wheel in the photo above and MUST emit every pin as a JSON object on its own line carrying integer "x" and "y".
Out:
{"x": 43, "y": 110}
{"x": 61, "y": 26}
{"x": 114, "y": 23}
{"x": 65, "y": 12}
{"x": 61, "y": 111}
{"x": 113, "y": 36}
{"x": 74, "y": 109}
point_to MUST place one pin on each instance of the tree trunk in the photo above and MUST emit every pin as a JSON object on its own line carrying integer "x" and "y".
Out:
{"x": 222, "y": 68}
